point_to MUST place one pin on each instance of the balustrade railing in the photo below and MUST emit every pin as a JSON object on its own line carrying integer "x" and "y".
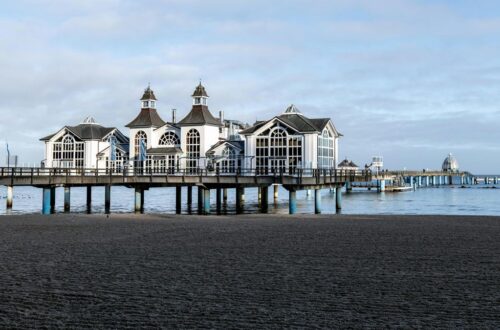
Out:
{"x": 137, "y": 172}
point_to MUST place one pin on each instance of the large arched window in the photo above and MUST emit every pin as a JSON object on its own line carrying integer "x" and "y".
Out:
{"x": 169, "y": 139}
{"x": 141, "y": 135}
{"x": 278, "y": 150}
{"x": 68, "y": 152}
{"x": 325, "y": 150}
{"x": 192, "y": 149}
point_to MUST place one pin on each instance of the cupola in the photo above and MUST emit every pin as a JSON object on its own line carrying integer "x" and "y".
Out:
{"x": 200, "y": 95}
{"x": 148, "y": 99}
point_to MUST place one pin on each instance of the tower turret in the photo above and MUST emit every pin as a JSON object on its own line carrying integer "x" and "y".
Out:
{"x": 148, "y": 99}
{"x": 200, "y": 96}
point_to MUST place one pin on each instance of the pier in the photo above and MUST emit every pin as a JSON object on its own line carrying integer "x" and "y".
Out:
{"x": 205, "y": 181}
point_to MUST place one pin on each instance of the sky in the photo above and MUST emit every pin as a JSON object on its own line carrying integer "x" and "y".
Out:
{"x": 404, "y": 79}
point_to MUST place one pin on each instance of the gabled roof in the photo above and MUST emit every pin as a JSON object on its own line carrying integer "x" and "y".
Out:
{"x": 299, "y": 122}
{"x": 148, "y": 117}
{"x": 148, "y": 94}
{"x": 347, "y": 163}
{"x": 85, "y": 132}
{"x": 200, "y": 91}
{"x": 237, "y": 144}
{"x": 199, "y": 115}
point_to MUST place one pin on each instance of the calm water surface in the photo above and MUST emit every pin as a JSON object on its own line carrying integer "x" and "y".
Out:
{"x": 454, "y": 200}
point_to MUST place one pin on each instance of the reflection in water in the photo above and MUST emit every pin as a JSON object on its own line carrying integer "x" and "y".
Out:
{"x": 454, "y": 200}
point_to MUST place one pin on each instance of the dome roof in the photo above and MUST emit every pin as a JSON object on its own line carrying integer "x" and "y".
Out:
{"x": 450, "y": 164}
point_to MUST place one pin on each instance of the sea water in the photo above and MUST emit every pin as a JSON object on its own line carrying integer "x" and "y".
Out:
{"x": 450, "y": 199}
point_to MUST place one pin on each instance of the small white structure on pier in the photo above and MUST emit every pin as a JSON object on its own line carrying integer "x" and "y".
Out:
{"x": 291, "y": 141}
{"x": 450, "y": 164}
{"x": 86, "y": 145}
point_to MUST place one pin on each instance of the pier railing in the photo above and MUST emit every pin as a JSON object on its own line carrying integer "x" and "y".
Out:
{"x": 295, "y": 172}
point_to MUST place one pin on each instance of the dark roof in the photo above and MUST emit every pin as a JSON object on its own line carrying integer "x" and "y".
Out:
{"x": 164, "y": 150}
{"x": 148, "y": 94}
{"x": 251, "y": 129}
{"x": 238, "y": 144}
{"x": 199, "y": 115}
{"x": 86, "y": 132}
{"x": 147, "y": 118}
{"x": 320, "y": 123}
{"x": 200, "y": 91}
{"x": 347, "y": 163}
{"x": 299, "y": 122}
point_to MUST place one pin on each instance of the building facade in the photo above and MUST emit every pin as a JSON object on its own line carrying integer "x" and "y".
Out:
{"x": 199, "y": 141}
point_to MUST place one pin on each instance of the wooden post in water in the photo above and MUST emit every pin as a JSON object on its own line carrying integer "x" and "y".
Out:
{"x": 52, "y": 199}
{"x": 275, "y": 192}
{"x": 264, "y": 198}
{"x": 338, "y": 198}
{"x": 218, "y": 200}
{"x": 46, "y": 200}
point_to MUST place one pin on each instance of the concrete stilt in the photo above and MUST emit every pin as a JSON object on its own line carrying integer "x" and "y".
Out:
{"x": 107, "y": 199}
{"x": 264, "y": 191}
{"x": 200, "y": 200}
{"x": 10, "y": 196}
{"x": 139, "y": 202}
{"x": 46, "y": 200}
{"x": 239, "y": 200}
{"x": 178, "y": 199}
{"x": 317, "y": 201}
{"x": 381, "y": 186}
{"x": 242, "y": 194}
{"x": 292, "y": 201}
{"x": 224, "y": 195}
{"x": 189, "y": 197}
{"x": 275, "y": 191}
{"x": 52, "y": 199}
{"x": 348, "y": 186}
{"x": 206, "y": 201}
{"x": 259, "y": 195}
{"x": 308, "y": 192}
{"x": 218, "y": 200}
{"x": 89, "y": 199}
{"x": 338, "y": 198}
{"x": 67, "y": 199}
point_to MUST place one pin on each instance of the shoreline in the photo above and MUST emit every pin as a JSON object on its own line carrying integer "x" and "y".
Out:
{"x": 134, "y": 270}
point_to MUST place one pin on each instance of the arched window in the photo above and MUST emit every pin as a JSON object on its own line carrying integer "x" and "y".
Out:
{"x": 169, "y": 139}
{"x": 192, "y": 149}
{"x": 69, "y": 153}
{"x": 325, "y": 150}
{"x": 141, "y": 135}
{"x": 278, "y": 149}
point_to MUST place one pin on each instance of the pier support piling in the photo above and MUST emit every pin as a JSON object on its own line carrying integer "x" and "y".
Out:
{"x": 52, "y": 199}
{"x": 264, "y": 191}
{"x": 338, "y": 198}
{"x": 10, "y": 197}
{"x": 317, "y": 201}
{"x": 189, "y": 198}
{"x": 218, "y": 200}
{"x": 381, "y": 186}
{"x": 178, "y": 199}
{"x": 348, "y": 186}
{"x": 67, "y": 199}
{"x": 224, "y": 195}
{"x": 107, "y": 199}
{"x": 139, "y": 200}
{"x": 292, "y": 201}
{"x": 206, "y": 201}
{"x": 89, "y": 199}
{"x": 46, "y": 200}
{"x": 200, "y": 200}
{"x": 275, "y": 191}
{"x": 239, "y": 200}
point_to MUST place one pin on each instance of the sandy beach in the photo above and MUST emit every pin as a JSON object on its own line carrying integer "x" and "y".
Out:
{"x": 251, "y": 271}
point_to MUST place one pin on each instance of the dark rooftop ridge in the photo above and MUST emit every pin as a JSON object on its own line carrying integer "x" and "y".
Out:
{"x": 200, "y": 91}
{"x": 148, "y": 94}
{"x": 199, "y": 115}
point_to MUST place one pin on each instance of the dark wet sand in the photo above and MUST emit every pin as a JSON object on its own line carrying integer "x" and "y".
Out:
{"x": 252, "y": 271}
